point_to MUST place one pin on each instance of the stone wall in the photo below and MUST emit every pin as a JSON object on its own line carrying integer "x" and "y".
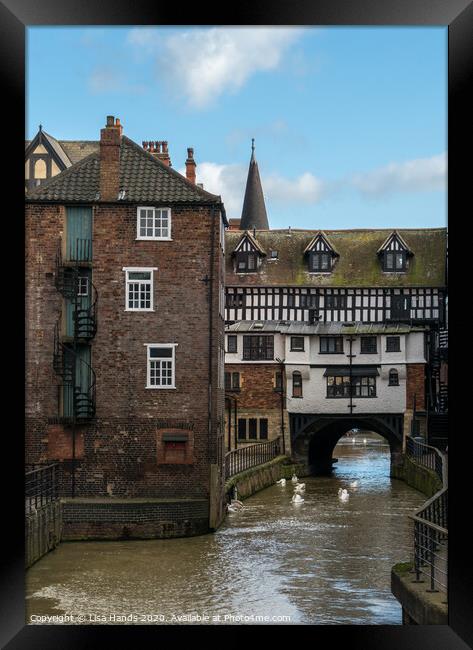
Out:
{"x": 134, "y": 518}
{"x": 43, "y": 529}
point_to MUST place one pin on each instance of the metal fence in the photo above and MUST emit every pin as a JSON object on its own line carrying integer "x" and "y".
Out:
{"x": 239, "y": 460}
{"x": 425, "y": 455}
{"x": 41, "y": 485}
{"x": 431, "y": 542}
{"x": 431, "y": 521}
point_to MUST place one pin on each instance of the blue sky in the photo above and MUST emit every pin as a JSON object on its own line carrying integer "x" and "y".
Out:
{"x": 350, "y": 122}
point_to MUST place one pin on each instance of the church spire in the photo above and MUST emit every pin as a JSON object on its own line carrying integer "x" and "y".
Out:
{"x": 254, "y": 211}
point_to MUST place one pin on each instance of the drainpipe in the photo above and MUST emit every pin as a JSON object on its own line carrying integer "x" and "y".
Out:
{"x": 210, "y": 298}
{"x": 282, "y": 370}
{"x": 350, "y": 356}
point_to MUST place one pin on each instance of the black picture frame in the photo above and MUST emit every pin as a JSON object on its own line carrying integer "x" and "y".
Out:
{"x": 15, "y": 16}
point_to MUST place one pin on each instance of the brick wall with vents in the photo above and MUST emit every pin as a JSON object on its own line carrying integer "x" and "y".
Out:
{"x": 117, "y": 453}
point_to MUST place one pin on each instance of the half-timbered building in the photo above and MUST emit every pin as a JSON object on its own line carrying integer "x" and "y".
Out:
{"x": 318, "y": 318}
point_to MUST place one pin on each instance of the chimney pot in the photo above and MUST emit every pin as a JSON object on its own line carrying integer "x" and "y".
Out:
{"x": 190, "y": 165}
{"x": 110, "y": 120}
{"x": 165, "y": 146}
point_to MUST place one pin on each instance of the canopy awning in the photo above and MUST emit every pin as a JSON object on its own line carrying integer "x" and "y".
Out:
{"x": 356, "y": 371}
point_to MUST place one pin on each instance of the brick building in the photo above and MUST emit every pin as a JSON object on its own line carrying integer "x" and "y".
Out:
{"x": 328, "y": 330}
{"x": 125, "y": 340}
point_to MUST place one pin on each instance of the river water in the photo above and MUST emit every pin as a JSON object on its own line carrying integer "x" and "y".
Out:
{"x": 322, "y": 562}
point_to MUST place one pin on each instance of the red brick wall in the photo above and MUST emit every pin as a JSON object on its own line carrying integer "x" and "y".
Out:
{"x": 120, "y": 446}
{"x": 415, "y": 385}
{"x": 257, "y": 382}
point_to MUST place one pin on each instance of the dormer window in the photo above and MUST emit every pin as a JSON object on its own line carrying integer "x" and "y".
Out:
{"x": 395, "y": 261}
{"x": 394, "y": 254}
{"x": 319, "y": 261}
{"x": 246, "y": 262}
{"x": 321, "y": 254}
{"x": 248, "y": 254}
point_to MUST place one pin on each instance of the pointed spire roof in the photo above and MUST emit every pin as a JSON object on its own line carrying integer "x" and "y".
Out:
{"x": 254, "y": 210}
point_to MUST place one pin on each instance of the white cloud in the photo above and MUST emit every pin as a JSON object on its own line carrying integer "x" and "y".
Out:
{"x": 230, "y": 181}
{"x": 307, "y": 188}
{"x": 201, "y": 64}
{"x": 421, "y": 174}
{"x": 226, "y": 180}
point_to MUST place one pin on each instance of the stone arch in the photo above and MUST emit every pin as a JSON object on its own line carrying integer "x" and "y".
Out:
{"x": 314, "y": 441}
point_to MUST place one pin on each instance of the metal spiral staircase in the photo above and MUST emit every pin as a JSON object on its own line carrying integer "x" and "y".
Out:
{"x": 77, "y": 396}
{"x": 77, "y": 390}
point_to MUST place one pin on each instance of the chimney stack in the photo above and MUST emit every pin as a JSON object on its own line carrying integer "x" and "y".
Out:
{"x": 158, "y": 148}
{"x": 190, "y": 165}
{"x": 110, "y": 140}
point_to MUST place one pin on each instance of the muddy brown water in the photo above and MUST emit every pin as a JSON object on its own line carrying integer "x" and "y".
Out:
{"x": 322, "y": 562}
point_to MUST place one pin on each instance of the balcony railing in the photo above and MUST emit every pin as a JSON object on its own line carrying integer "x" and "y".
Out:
{"x": 239, "y": 460}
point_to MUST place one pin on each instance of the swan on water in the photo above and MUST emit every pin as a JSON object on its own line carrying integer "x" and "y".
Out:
{"x": 294, "y": 478}
{"x": 281, "y": 481}
{"x": 297, "y": 498}
{"x": 299, "y": 487}
{"x": 354, "y": 484}
{"x": 343, "y": 494}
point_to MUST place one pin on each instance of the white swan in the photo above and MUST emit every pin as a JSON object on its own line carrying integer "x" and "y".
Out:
{"x": 281, "y": 481}
{"x": 300, "y": 487}
{"x": 297, "y": 498}
{"x": 343, "y": 494}
{"x": 231, "y": 508}
{"x": 354, "y": 484}
{"x": 294, "y": 478}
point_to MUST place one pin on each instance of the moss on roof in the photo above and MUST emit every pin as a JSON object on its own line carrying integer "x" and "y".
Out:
{"x": 358, "y": 264}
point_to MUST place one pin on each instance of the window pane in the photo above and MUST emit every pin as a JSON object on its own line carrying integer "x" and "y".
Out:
{"x": 139, "y": 275}
{"x": 252, "y": 428}
{"x": 160, "y": 352}
{"x": 241, "y": 428}
{"x": 263, "y": 428}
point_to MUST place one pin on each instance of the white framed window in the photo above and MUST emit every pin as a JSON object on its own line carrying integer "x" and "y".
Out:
{"x": 139, "y": 288}
{"x": 83, "y": 286}
{"x": 153, "y": 223}
{"x": 160, "y": 365}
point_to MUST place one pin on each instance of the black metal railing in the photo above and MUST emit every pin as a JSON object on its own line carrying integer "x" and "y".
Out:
{"x": 239, "y": 460}
{"x": 85, "y": 319}
{"x": 425, "y": 455}
{"x": 431, "y": 521}
{"x": 431, "y": 542}
{"x": 79, "y": 250}
{"x": 41, "y": 485}
{"x": 76, "y": 399}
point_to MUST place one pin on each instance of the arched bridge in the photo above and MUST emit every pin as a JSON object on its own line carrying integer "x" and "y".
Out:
{"x": 314, "y": 436}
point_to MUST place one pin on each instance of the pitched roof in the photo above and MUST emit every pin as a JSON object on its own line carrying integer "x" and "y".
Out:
{"x": 254, "y": 210}
{"x": 358, "y": 264}
{"x": 143, "y": 177}
{"x": 256, "y": 244}
{"x": 320, "y": 235}
{"x": 78, "y": 149}
{"x": 394, "y": 234}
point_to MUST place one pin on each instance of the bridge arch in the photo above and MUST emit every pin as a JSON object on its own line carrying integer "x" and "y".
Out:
{"x": 314, "y": 437}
